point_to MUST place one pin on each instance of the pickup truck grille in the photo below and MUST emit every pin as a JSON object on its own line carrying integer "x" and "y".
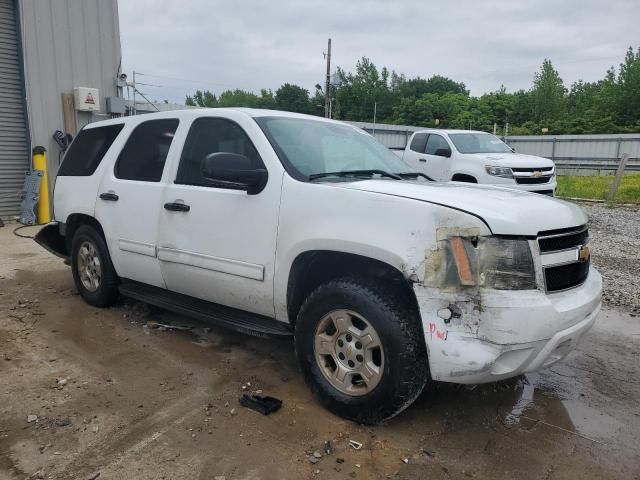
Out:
{"x": 547, "y": 170}
{"x": 571, "y": 265}
{"x": 532, "y": 180}
{"x": 532, "y": 176}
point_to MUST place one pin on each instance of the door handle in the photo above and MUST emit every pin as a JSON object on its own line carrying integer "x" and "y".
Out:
{"x": 423, "y": 160}
{"x": 109, "y": 196}
{"x": 176, "y": 207}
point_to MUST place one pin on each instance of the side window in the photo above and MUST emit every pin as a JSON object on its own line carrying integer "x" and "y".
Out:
{"x": 212, "y": 135}
{"x": 145, "y": 152}
{"x": 434, "y": 143}
{"x": 87, "y": 150}
{"x": 418, "y": 142}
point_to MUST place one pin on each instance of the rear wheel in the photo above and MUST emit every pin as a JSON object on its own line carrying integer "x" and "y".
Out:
{"x": 93, "y": 272}
{"x": 361, "y": 349}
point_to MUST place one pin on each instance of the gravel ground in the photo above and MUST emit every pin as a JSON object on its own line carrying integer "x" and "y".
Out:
{"x": 615, "y": 245}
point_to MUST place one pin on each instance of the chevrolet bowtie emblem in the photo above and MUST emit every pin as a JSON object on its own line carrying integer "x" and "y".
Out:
{"x": 536, "y": 174}
{"x": 584, "y": 253}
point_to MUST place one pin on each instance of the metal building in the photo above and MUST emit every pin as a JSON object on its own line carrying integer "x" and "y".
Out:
{"x": 48, "y": 50}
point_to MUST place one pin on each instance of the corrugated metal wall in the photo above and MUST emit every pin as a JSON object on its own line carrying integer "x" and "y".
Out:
{"x": 14, "y": 151}
{"x": 67, "y": 44}
{"x": 587, "y": 153}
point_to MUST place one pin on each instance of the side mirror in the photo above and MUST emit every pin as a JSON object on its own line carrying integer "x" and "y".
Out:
{"x": 234, "y": 168}
{"x": 513, "y": 149}
{"x": 443, "y": 152}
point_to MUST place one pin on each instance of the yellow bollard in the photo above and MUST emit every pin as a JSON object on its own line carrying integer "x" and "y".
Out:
{"x": 40, "y": 163}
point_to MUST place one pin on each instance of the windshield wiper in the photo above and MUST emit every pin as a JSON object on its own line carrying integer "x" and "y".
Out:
{"x": 414, "y": 175}
{"x": 355, "y": 173}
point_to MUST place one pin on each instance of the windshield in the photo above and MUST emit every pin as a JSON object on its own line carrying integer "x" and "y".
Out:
{"x": 479, "y": 143}
{"x": 313, "y": 148}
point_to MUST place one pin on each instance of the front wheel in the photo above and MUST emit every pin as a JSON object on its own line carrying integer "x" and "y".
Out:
{"x": 361, "y": 349}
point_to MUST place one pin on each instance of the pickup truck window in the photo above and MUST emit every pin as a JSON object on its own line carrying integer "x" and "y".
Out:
{"x": 212, "y": 135}
{"x": 308, "y": 148}
{"x": 418, "y": 142}
{"x": 434, "y": 143}
{"x": 87, "y": 150}
{"x": 145, "y": 152}
{"x": 479, "y": 143}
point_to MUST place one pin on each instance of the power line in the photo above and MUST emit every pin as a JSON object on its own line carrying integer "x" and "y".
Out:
{"x": 191, "y": 80}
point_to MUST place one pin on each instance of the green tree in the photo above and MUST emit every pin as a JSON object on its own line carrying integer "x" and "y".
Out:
{"x": 548, "y": 93}
{"x": 202, "y": 99}
{"x": 628, "y": 89}
{"x": 293, "y": 98}
{"x": 362, "y": 92}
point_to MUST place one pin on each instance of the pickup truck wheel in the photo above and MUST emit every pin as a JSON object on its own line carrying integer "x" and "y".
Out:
{"x": 361, "y": 349}
{"x": 93, "y": 272}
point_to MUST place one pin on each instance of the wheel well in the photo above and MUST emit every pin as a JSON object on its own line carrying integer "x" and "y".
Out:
{"x": 75, "y": 221}
{"x": 312, "y": 269}
{"x": 461, "y": 177}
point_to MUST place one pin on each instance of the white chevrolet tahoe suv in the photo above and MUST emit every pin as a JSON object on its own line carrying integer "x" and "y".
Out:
{"x": 477, "y": 157}
{"x": 282, "y": 224}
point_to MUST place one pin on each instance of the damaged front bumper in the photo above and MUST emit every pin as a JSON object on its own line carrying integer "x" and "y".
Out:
{"x": 491, "y": 335}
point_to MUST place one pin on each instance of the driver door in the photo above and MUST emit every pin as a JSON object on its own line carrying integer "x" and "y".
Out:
{"x": 216, "y": 241}
{"x": 435, "y": 159}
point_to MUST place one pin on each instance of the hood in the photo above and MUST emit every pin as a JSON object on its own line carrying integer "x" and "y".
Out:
{"x": 516, "y": 160}
{"x": 505, "y": 211}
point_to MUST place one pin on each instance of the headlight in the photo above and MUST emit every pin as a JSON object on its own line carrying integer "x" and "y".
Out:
{"x": 504, "y": 172}
{"x": 492, "y": 262}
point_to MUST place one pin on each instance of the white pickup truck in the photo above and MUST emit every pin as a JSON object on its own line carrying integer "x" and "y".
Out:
{"x": 275, "y": 223}
{"x": 477, "y": 157}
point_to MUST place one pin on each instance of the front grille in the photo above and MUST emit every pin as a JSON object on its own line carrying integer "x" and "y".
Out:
{"x": 565, "y": 276}
{"x": 532, "y": 180}
{"x": 532, "y": 169}
{"x": 563, "y": 241}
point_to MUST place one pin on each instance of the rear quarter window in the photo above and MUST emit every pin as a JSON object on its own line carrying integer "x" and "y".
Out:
{"x": 87, "y": 150}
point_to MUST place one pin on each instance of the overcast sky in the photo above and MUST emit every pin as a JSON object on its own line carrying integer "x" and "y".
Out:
{"x": 216, "y": 45}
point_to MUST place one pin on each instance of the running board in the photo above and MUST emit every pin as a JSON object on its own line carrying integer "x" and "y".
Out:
{"x": 234, "y": 319}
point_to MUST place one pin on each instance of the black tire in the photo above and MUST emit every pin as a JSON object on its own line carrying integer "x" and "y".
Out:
{"x": 107, "y": 291}
{"x": 396, "y": 322}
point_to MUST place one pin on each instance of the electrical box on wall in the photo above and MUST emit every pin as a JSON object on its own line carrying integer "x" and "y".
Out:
{"x": 86, "y": 99}
{"x": 116, "y": 105}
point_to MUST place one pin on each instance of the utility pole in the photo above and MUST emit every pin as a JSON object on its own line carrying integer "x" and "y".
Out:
{"x": 375, "y": 111}
{"x": 133, "y": 107}
{"x": 327, "y": 87}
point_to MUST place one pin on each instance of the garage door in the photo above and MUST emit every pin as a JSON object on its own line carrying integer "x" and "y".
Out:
{"x": 14, "y": 152}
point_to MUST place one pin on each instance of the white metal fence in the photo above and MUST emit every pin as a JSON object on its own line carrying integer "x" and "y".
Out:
{"x": 584, "y": 153}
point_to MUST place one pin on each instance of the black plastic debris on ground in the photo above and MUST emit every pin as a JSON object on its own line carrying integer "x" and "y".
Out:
{"x": 259, "y": 403}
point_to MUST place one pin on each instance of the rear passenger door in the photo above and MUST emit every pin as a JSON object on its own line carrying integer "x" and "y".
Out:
{"x": 130, "y": 198}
